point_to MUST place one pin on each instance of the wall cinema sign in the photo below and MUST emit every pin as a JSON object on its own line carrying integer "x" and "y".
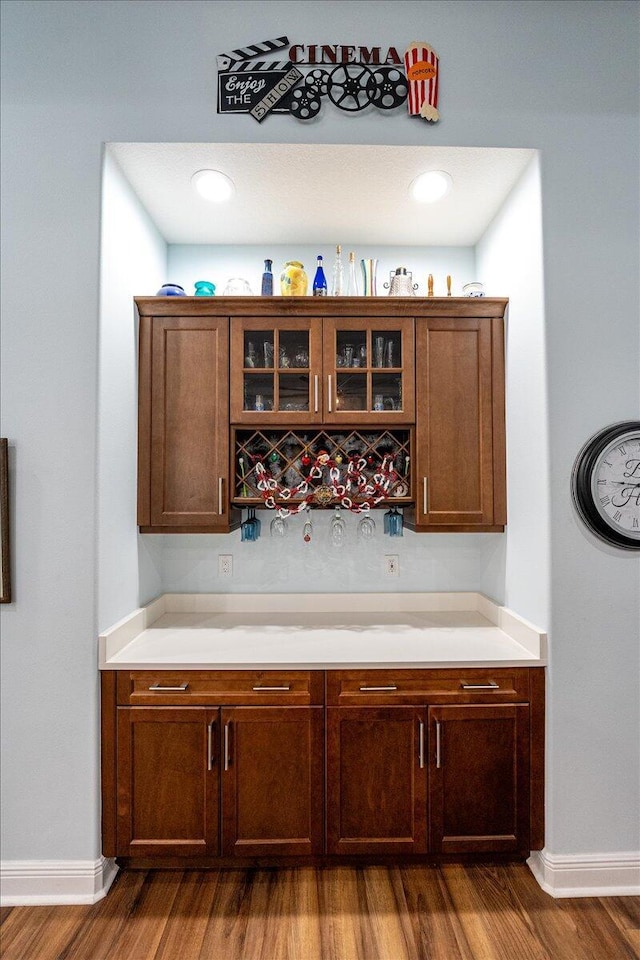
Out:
{"x": 253, "y": 80}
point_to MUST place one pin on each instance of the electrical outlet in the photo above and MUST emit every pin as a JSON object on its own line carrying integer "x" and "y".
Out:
{"x": 392, "y": 565}
{"x": 225, "y": 565}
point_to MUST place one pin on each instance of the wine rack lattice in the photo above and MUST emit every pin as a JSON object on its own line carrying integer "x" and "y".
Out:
{"x": 288, "y": 456}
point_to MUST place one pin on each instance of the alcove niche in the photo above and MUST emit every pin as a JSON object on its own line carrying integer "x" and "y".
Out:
{"x": 294, "y": 201}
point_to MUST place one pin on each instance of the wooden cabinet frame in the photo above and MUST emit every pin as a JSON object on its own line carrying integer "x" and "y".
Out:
{"x": 163, "y": 492}
{"x": 183, "y": 424}
{"x": 512, "y": 697}
{"x": 323, "y": 372}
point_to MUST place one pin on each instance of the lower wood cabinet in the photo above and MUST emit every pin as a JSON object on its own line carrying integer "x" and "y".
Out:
{"x": 272, "y": 781}
{"x": 418, "y": 762}
{"x": 479, "y": 779}
{"x": 376, "y": 780}
{"x": 168, "y": 778}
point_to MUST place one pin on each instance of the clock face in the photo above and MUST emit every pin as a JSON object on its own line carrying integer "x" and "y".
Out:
{"x": 606, "y": 484}
{"x": 615, "y": 484}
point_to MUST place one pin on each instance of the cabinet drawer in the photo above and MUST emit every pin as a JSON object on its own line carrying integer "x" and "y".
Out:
{"x": 481, "y": 685}
{"x": 210, "y": 687}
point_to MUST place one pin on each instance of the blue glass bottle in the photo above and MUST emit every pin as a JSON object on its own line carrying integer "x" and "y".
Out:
{"x": 267, "y": 280}
{"x": 319, "y": 281}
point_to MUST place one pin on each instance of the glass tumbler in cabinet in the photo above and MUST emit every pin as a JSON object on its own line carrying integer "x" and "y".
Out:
{"x": 369, "y": 367}
{"x": 275, "y": 370}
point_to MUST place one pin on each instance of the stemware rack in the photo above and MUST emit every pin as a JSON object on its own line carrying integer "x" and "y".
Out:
{"x": 288, "y": 456}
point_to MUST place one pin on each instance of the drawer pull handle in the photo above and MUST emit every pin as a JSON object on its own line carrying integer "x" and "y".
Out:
{"x": 421, "y": 745}
{"x": 315, "y": 393}
{"x": 425, "y": 495}
{"x": 158, "y": 688}
{"x": 272, "y": 689}
{"x": 220, "y": 497}
{"x": 378, "y": 689}
{"x": 480, "y": 686}
{"x": 210, "y": 745}
{"x": 227, "y": 750}
{"x": 329, "y": 394}
{"x": 438, "y": 745}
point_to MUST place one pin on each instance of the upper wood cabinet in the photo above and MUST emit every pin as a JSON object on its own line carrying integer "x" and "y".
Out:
{"x": 183, "y": 424}
{"x": 210, "y": 365}
{"x": 460, "y": 433}
{"x": 323, "y": 369}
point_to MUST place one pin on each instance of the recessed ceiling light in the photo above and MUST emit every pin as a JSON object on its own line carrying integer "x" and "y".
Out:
{"x": 431, "y": 186}
{"x": 213, "y": 185}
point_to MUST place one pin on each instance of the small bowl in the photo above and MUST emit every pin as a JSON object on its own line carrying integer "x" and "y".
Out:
{"x": 474, "y": 289}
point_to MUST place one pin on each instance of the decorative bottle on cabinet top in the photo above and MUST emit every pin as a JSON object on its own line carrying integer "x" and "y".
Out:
{"x": 293, "y": 280}
{"x": 369, "y": 267}
{"x": 319, "y": 281}
{"x": 337, "y": 274}
{"x": 352, "y": 284}
{"x": 267, "y": 280}
{"x": 204, "y": 288}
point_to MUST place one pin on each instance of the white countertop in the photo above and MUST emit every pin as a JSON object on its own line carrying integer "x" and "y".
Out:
{"x": 320, "y": 631}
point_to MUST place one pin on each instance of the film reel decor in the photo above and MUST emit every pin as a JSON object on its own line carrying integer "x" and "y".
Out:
{"x": 351, "y": 87}
{"x": 276, "y": 76}
{"x": 305, "y": 102}
{"x": 318, "y": 81}
{"x": 391, "y": 90}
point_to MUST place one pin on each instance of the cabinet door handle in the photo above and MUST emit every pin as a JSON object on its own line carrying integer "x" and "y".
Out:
{"x": 227, "y": 749}
{"x": 421, "y": 744}
{"x": 330, "y": 397}
{"x": 158, "y": 688}
{"x": 377, "y": 689}
{"x": 220, "y": 503}
{"x": 262, "y": 689}
{"x": 315, "y": 393}
{"x": 210, "y": 745}
{"x": 425, "y": 495}
{"x": 480, "y": 686}
{"x": 438, "y": 745}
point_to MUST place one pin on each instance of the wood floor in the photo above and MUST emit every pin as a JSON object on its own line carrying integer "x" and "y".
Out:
{"x": 451, "y": 912}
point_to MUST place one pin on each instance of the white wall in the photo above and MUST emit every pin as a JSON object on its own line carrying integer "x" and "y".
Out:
{"x": 509, "y": 258}
{"x": 76, "y": 75}
{"x": 191, "y": 262}
{"x": 133, "y": 257}
{"x": 440, "y": 562}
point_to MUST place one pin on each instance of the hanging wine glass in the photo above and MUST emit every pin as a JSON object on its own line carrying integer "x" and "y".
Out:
{"x": 279, "y": 527}
{"x": 338, "y": 529}
{"x": 367, "y": 527}
{"x": 307, "y": 530}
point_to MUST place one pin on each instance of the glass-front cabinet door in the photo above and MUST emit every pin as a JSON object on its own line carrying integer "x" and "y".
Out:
{"x": 368, "y": 370}
{"x": 276, "y": 369}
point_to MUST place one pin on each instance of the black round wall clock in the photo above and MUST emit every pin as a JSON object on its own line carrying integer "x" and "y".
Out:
{"x": 605, "y": 484}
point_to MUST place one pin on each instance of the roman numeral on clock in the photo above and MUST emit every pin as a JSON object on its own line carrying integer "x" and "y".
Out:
{"x": 605, "y": 500}
{"x": 617, "y": 515}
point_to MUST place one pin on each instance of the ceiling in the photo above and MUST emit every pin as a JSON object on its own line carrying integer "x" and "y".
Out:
{"x": 300, "y": 193}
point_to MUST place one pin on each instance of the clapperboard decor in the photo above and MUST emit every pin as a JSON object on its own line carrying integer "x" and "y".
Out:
{"x": 276, "y": 77}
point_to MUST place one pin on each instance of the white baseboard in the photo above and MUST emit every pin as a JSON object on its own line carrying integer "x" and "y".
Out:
{"x": 588, "y": 875}
{"x": 51, "y": 882}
